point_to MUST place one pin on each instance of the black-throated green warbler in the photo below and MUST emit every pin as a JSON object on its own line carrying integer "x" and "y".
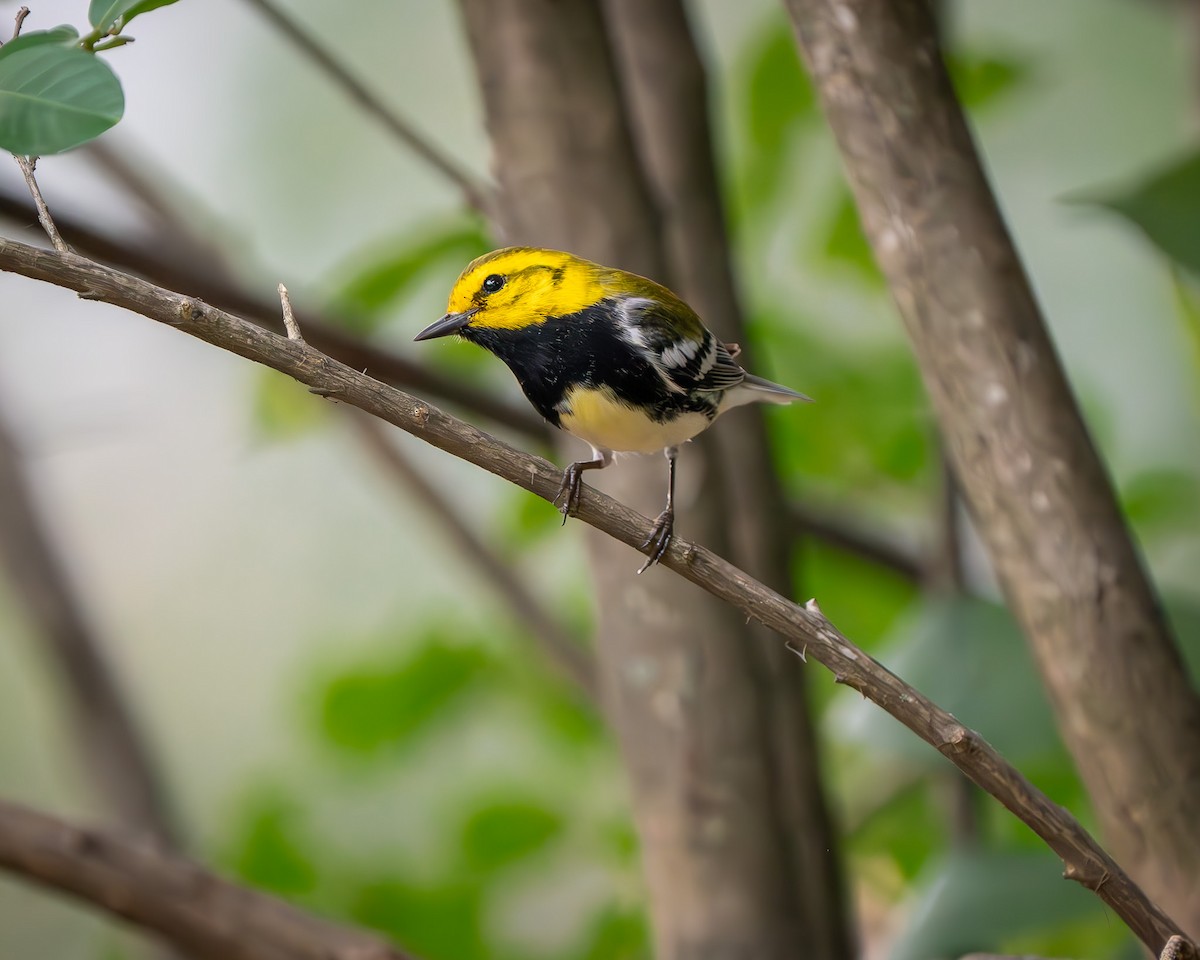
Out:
{"x": 612, "y": 358}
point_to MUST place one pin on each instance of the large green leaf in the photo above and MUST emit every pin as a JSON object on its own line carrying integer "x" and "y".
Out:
{"x": 776, "y": 98}
{"x": 389, "y": 705}
{"x": 980, "y": 901}
{"x": 1164, "y": 205}
{"x": 507, "y": 830}
{"x": 64, "y": 36}
{"x": 433, "y": 921}
{"x": 270, "y": 851}
{"x": 104, "y": 14}
{"x": 54, "y": 97}
{"x": 980, "y": 79}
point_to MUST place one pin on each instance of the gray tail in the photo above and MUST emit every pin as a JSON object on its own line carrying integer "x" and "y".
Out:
{"x": 776, "y": 393}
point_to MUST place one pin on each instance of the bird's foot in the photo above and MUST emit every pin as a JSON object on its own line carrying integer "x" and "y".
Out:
{"x": 659, "y": 539}
{"x": 567, "y": 498}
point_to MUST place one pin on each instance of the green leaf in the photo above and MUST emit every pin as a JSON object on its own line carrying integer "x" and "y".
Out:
{"x": 269, "y": 851}
{"x": 380, "y": 280}
{"x": 54, "y": 97}
{"x": 284, "y": 409}
{"x": 104, "y": 14}
{"x": 981, "y": 79}
{"x": 618, "y": 933}
{"x": 976, "y": 902}
{"x": 908, "y": 830}
{"x": 1165, "y": 206}
{"x": 1162, "y": 498}
{"x": 1188, "y": 301}
{"x": 777, "y": 98}
{"x": 377, "y": 706}
{"x": 436, "y": 922}
{"x": 64, "y": 36}
{"x": 845, "y": 242}
{"x": 505, "y": 831}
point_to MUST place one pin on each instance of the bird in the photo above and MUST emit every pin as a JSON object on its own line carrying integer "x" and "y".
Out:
{"x": 612, "y": 358}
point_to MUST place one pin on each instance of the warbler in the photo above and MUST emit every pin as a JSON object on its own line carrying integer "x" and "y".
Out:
{"x": 608, "y": 356}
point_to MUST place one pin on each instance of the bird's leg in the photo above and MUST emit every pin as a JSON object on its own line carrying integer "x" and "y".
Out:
{"x": 567, "y": 498}
{"x": 664, "y": 526}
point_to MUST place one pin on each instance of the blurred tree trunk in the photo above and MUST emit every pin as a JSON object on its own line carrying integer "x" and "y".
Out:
{"x": 1036, "y": 486}
{"x": 666, "y": 87}
{"x": 681, "y": 679}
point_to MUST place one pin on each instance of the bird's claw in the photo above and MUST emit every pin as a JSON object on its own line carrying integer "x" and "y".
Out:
{"x": 659, "y": 539}
{"x": 568, "y": 492}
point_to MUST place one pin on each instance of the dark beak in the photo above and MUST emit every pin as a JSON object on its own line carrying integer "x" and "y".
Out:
{"x": 450, "y": 323}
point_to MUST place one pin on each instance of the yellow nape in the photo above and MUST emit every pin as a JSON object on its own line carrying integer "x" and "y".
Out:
{"x": 596, "y": 415}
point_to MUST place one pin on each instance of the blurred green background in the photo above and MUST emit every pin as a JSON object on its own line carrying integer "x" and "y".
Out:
{"x": 344, "y": 713}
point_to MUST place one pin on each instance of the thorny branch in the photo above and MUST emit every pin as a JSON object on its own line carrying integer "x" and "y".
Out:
{"x": 805, "y": 627}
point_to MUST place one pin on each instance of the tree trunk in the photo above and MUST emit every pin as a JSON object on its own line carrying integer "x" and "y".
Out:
{"x": 677, "y": 672}
{"x": 1039, "y": 493}
{"x": 667, "y": 94}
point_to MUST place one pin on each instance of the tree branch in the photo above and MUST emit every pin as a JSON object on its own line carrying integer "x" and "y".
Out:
{"x": 107, "y": 738}
{"x": 473, "y": 193}
{"x": 805, "y": 628}
{"x": 323, "y": 332}
{"x": 559, "y": 648}
{"x": 209, "y": 918}
{"x": 1038, "y": 490}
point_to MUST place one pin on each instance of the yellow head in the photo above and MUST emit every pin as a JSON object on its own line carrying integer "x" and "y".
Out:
{"x": 519, "y": 286}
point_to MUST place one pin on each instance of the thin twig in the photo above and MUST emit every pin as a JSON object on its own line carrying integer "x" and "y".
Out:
{"x": 475, "y": 195}
{"x": 27, "y": 165}
{"x": 567, "y": 656}
{"x": 204, "y": 915}
{"x": 289, "y": 317}
{"x": 1085, "y": 860}
{"x": 19, "y": 21}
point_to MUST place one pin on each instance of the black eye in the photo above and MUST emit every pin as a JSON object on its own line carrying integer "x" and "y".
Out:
{"x": 492, "y": 283}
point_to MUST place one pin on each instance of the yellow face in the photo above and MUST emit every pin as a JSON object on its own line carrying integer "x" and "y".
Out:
{"x": 519, "y": 286}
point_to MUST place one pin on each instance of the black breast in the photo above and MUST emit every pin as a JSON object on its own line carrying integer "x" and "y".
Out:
{"x": 584, "y": 348}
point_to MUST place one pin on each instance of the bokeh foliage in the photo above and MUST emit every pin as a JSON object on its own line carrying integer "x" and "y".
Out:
{"x": 429, "y": 708}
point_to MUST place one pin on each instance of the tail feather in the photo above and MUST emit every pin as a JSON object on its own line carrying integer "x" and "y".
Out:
{"x": 757, "y": 390}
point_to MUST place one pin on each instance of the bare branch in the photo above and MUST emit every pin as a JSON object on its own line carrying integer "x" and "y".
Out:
{"x": 27, "y": 165}
{"x": 1041, "y": 498}
{"x": 566, "y": 655}
{"x": 473, "y": 193}
{"x": 1086, "y": 862}
{"x": 323, "y": 332}
{"x": 209, "y": 918}
{"x": 109, "y": 742}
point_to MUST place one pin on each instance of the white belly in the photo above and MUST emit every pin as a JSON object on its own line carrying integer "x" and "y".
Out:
{"x": 597, "y": 416}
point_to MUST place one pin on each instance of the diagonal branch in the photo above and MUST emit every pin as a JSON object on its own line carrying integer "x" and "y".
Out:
{"x": 804, "y": 628}
{"x": 322, "y": 331}
{"x": 209, "y": 918}
{"x": 567, "y": 656}
{"x": 474, "y": 193}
